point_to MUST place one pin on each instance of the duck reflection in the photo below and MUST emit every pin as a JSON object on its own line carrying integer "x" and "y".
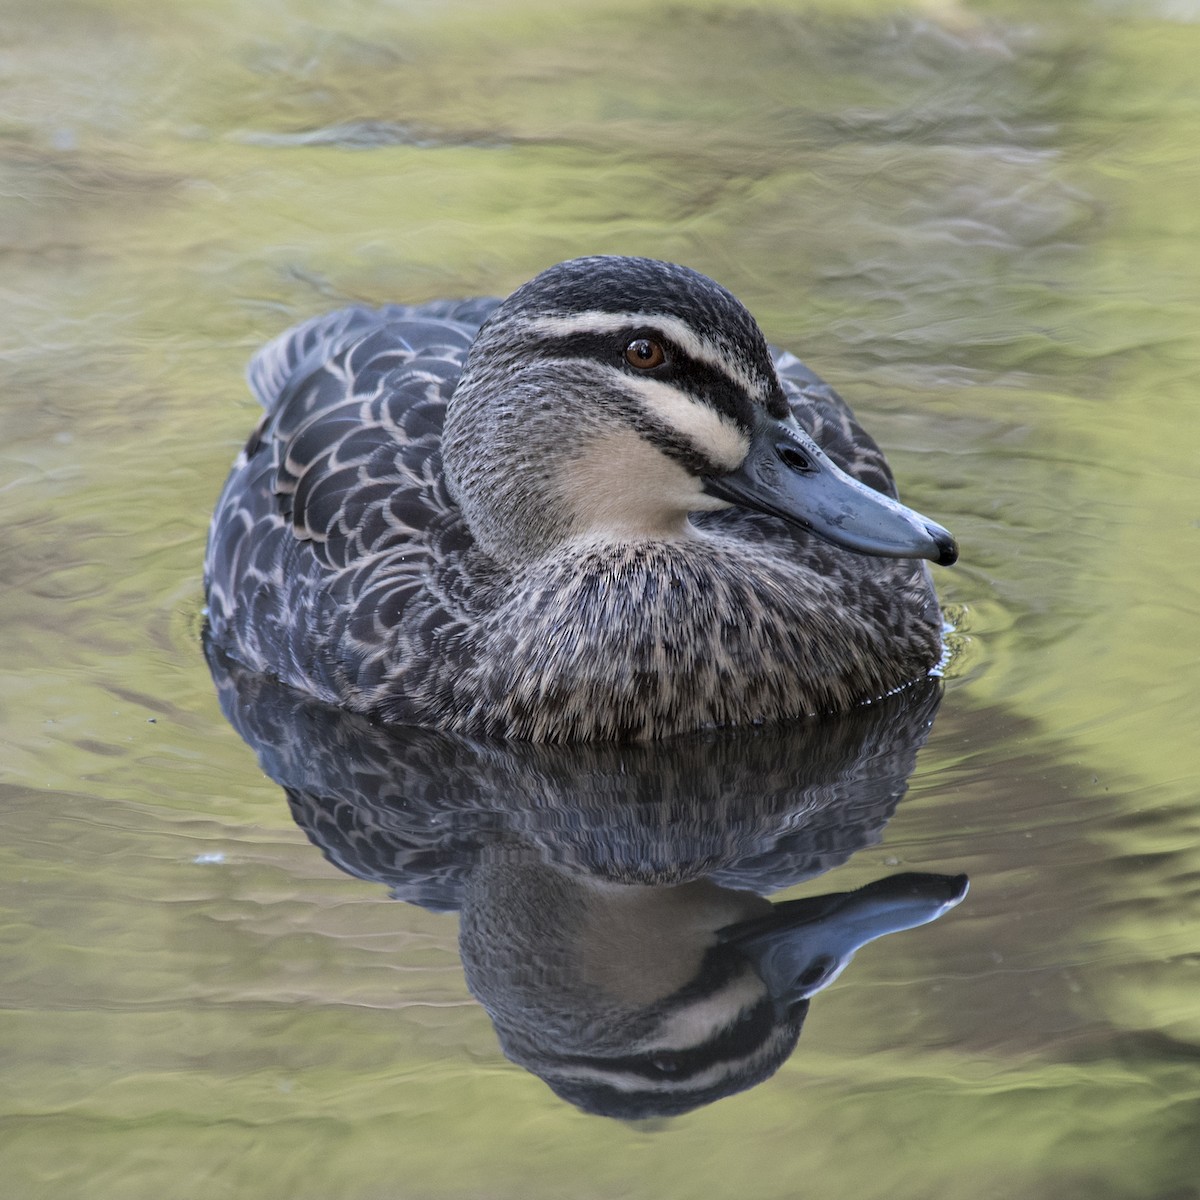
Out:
{"x": 612, "y": 919}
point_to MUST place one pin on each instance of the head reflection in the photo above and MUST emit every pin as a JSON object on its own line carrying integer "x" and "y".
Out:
{"x": 638, "y": 1001}
{"x": 612, "y": 914}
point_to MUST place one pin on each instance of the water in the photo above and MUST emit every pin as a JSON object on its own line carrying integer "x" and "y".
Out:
{"x": 978, "y": 221}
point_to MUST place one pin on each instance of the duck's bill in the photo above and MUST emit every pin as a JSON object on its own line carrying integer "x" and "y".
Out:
{"x": 786, "y": 474}
{"x": 802, "y": 946}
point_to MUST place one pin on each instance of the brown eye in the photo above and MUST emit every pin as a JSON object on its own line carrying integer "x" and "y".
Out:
{"x": 644, "y": 354}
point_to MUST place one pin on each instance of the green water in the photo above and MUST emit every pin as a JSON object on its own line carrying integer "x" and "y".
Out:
{"x": 978, "y": 220}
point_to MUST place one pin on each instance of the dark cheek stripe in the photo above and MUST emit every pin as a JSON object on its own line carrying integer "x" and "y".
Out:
{"x": 749, "y": 1031}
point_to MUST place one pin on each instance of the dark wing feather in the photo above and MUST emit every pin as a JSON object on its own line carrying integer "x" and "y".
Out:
{"x": 339, "y": 491}
{"x": 354, "y": 423}
{"x": 296, "y": 351}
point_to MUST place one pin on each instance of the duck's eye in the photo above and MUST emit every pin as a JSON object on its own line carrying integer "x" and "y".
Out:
{"x": 815, "y": 971}
{"x": 645, "y": 354}
{"x": 665, "y": 1064}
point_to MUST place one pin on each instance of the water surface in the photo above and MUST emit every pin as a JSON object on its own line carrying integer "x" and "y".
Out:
{"x": 977, "y": 220}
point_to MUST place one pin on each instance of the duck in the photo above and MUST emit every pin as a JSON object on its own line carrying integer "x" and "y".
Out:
{"x": 602, "y": 509}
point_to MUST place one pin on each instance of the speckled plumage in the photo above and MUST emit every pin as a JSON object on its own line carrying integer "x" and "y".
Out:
{"x": 340, "y": 560}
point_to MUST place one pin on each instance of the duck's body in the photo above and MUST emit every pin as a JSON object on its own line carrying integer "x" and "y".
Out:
{"x": 541, "y": 546}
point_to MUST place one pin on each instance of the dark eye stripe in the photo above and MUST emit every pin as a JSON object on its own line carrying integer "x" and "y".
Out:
{"x": 600, "y": 1085}
{"x": 700, "y": 380}
{"x": 742, "y": 1038}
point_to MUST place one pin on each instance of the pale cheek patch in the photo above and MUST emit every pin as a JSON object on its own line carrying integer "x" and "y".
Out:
{"x": 621, "y": 486}
{"x": 716, "y": 436}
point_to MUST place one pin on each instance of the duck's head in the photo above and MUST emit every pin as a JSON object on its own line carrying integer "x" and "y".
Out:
{"x": 610, "y": 397}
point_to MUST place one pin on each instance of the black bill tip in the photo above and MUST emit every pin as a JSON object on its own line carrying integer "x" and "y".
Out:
{"x": 947, "y": 547}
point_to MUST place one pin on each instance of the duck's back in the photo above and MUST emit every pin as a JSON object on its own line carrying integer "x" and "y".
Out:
{"x": 339, "y": 563}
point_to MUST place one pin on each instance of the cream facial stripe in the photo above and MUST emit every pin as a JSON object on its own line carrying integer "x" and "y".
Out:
{"x": 715, "y": 435}
{"x": 682, "y": 334}
{"x": 696, "y": 1023}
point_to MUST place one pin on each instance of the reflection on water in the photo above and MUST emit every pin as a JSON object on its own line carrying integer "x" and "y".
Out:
{"x": 612, "y": 914}
{"x": 979, "y": 216}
